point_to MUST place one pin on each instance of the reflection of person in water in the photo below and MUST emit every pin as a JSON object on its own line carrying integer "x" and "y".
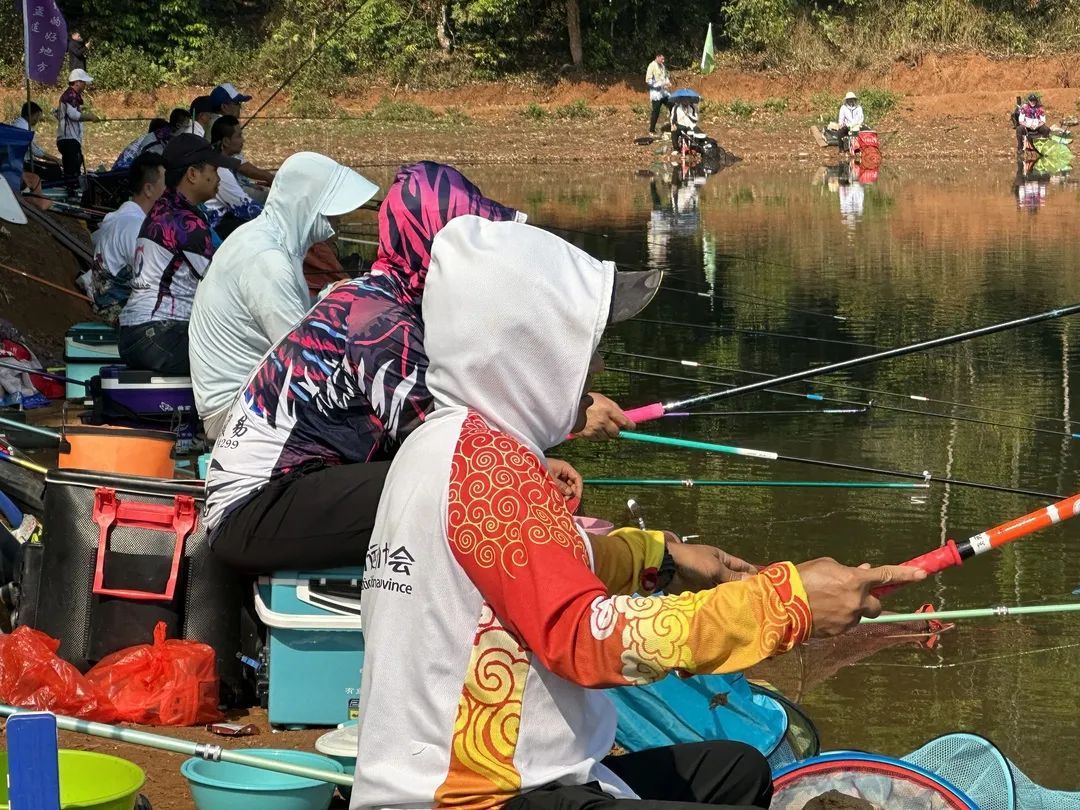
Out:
{"x": 1029, "y": 187}
{"x": 852, "y": 198}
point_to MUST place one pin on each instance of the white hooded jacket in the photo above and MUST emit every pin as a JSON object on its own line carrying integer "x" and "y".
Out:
{"x": 254, "y": 290}
{"x": 484, "y": 622}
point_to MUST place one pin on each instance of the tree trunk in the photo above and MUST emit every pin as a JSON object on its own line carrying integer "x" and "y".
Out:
{"x": 442, "y": 30}
{"x": 573, "y": 28}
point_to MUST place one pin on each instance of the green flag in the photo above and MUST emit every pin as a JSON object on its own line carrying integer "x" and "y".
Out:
{"x": 708, "y": 61}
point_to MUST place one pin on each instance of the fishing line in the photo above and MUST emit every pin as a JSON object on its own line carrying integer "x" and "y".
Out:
{"x": 971, "y": 662}
{"x": 753, "y": 332}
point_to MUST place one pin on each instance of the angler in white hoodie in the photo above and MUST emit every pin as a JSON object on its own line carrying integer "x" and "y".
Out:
{"x": 490, "y": 621}
{"x": 255, "y": 290}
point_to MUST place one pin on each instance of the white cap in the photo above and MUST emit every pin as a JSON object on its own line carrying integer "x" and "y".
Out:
{"x": 80, "y": 75}
{"x": 850, "y": 96}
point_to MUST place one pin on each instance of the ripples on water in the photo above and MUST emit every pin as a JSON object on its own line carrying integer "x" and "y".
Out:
{"x": 903, "y": 259}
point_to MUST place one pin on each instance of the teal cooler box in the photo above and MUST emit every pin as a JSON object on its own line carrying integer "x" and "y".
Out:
{"x": 315, "y": 645}
{"x": 88, "y": 347}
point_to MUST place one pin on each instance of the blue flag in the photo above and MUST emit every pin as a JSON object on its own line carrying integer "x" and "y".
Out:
{"x": 45, "y": 39}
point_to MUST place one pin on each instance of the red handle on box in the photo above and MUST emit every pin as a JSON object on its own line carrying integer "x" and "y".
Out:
{"x": 109, "y": 512}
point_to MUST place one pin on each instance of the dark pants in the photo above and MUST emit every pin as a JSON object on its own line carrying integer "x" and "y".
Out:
{"x": 72, "y": 157}
{"x": 1023, "y": 132}
{"x": 310, "y": 520}
{"x": 160, "y": 346}
{"x": 719, "y": 774}
{"x": 654, "y": 116}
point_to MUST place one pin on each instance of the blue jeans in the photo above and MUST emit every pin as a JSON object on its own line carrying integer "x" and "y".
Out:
{"x": 160, "y": 346}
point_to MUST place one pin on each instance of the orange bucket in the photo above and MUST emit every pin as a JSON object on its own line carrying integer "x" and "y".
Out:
{"x": 128, "y": 451}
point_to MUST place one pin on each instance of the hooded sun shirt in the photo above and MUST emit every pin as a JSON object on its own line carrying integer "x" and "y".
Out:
{"x": 489, "y": 620}
{"x": 254, "y": 291}
{"x": 347, "y": 384}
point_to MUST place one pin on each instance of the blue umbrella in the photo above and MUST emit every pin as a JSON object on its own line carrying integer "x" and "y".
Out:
{"x": 685, "y": 93}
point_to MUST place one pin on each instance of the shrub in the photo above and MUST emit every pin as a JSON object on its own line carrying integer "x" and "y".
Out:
{"x": 578, "y": 111}
{"x": 876, "y": 103}
{"x": 741, "y": 109}
{"x": 401, "y": 112}
{"x": 534, "y": 112}
{"x": 125, "y": 68}
{"x": 775, "y": 105}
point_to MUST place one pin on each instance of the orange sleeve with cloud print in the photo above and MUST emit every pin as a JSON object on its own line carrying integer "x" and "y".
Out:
{"x": 510, "y": 531}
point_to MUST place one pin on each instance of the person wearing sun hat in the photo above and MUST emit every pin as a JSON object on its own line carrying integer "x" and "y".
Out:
{"x": 69, "y": 132}
{"x": 256, "y": 291}
{"x": 172, "y": 255}
{"x": 850, "y": 118}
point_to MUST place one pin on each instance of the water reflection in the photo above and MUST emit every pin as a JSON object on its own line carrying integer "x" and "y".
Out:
{"x": 847, "y": 179}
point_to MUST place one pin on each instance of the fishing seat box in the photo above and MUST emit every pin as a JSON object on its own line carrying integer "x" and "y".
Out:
{"x": 121, "y": 553}
{"x": 87, "y": 347}
{"x": 315, "y": 647}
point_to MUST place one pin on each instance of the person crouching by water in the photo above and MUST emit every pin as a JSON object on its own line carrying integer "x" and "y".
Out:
{"x": 172, "y": 255}
{"x": 850, "y": 118}
{"x": 684, "y": 118}
{"x": 297, "y": 470}
{"x": 491, "y": 622}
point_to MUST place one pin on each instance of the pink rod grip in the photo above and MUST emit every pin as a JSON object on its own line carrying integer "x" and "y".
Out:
{"x": 646, "y": 413}
{"x": 931, "y": 562}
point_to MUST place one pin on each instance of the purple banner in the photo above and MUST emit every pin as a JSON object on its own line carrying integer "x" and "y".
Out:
{"x": 45, "y": 36}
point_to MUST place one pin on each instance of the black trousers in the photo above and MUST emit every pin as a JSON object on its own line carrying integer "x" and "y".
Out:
{"x": 719, "y": 774}
{"x": 1023, "y": 132}
{"x": 319, "y": 518}
{"x": 72, "y": 156}
{"x": 654, "y": 116}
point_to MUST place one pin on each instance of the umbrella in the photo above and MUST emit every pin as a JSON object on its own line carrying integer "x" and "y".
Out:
{"x": 686, "y": 93}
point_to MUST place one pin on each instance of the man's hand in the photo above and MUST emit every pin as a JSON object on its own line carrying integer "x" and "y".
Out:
{"x": 840, "y": 595}
{"x": 566, "y": 478}
{"x": 698, "y": 567}
{"x": 605, "y": 420}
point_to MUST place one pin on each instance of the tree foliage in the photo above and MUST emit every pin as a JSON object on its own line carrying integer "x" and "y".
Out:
{"x": 141, "y": 45}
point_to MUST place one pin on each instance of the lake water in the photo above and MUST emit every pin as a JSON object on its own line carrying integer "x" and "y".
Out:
{"x": 904, "y": 258}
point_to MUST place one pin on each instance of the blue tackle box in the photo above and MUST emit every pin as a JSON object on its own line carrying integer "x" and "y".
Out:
{"x": 87, "y": 347}
{"x": 315, "y": 645}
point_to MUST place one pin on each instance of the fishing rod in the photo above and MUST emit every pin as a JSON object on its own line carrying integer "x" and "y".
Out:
{"x": 768, "y": 455}
{"x": 861, "y": 389}
{"x": 40, "y": 280}
{"x": 690, "y": 483}
{"x": 998, "y": 611}
{"x": 211, "y": 753}
{"x": 18, "y": 462}
{"x": 658, "y": 409}
{"x": 822, "y": 398}
{"x": 314, "y": 52}
{"x": 768, "y": 412}
{"x": 953, "y": 554}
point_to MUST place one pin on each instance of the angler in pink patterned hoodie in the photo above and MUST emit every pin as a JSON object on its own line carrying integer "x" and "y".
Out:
{"x": 297, "y": 471}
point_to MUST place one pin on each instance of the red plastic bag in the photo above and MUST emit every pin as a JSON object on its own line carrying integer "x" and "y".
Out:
{"x": 32, "y": 676}
{"x": 167, "y": 683}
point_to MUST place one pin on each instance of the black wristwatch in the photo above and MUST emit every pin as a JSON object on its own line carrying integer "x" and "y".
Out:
{"x": 666, "y": 572}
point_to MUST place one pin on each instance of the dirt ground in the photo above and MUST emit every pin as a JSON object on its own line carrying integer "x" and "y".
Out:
{"x": 951, "y": 108}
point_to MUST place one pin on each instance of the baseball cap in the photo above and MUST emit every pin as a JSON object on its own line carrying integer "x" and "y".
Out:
{"x": 80, "y": 75}
{"x": 633, "y": 291}
{"x": 186, "y": 149}
{"x": 227, "y": 94}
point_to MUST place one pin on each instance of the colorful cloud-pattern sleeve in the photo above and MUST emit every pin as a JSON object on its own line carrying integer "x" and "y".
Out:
{"x": 627, "y": 560}
{"x": 510, "y": 531}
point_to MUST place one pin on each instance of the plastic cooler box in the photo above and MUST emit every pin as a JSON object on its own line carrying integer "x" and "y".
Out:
{"x": 315, "y": 645}
{"x": 138, "y": 398}
{"x": 87, "y": 347}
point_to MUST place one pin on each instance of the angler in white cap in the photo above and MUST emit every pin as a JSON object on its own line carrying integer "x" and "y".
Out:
{"x": 69, "y": 131}
{"x": 850, "y": 117}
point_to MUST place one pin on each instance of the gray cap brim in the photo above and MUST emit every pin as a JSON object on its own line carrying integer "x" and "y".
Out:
{"x": 633, "y": 291}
